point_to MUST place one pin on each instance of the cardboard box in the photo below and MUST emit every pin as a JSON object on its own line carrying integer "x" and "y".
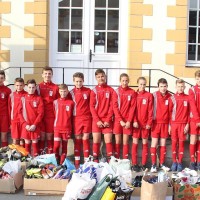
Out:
{"x": 11, "y": 185}
{"x": 45, "y": 186}
{"x": 24, "y": 165}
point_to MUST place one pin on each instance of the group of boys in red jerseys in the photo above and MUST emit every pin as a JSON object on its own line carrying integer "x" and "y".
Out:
{"x": 46, "y": 116}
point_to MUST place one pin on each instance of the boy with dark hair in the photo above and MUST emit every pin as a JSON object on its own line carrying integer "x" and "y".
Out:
{"x": 142, "y": 123}
{"x": 49, "y": 92}
{"x": 179, "y": 110}
{"x": 124, "y": 105}
{"x": 160, "y": 123}
{"x": 31, "y": 111}
{"x": 63, "y": 109}
{"x": 14, "y": 102}
{"x": 4, "y": 110}
{"x": 102, "y": 113}
{"x": 194, "y": 96}
{"x": 82, "y": 119}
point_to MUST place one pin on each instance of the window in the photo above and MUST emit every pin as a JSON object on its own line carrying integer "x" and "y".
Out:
{"x": 193, "y": 49}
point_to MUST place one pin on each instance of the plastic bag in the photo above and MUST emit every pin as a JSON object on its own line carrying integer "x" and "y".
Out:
{"x": 79, "y": 187}
{"x": 125, "y": 177}
{"x": 12, "y": 167}
{"x": 68, "y": 164}
{"x": 47, "y": 159}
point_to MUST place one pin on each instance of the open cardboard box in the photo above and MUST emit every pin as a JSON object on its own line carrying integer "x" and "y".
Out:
{"x": 11, "y": 185}
{"x": 45, "y": 186}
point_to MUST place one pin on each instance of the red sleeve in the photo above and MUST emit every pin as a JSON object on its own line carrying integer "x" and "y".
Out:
{"x": 132, "y": 108}
{"x": 92, "y": 106}
{"x": 40, "y": 112}
{"x": 110, "y": 111}
{"x": 9, "y": 109}
{"x": 20, "y": 111}
{"x": 116, "y": 107}
{"x": 193, "y": 106}
{"x": 150, "y": 110}
{"x": 171, "y": 105}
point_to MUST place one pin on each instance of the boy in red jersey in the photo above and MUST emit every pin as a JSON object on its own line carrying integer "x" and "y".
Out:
{"x": 142, "y": 123}
{"x": 82, "y": 119}
{"x": 124, "y": 104}
{"x": 4, "y": 110}
{"x": 160, "y": 123}
{"x": 31, "y": 111}
{"x": 102, "y": 112}
{"x": 14, "y": 102}
{"x": 194, "y": 96}
{"x": 179, "y": 110}
{"x": 49, "y": 92}
{"x": 63, "y": 109}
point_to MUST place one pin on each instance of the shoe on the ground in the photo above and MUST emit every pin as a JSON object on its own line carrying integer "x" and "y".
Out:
{"x": 144, "y": 168}
{"x": 174, "y": 167}
{"x": 153, "y": 169}
{"x": 179, "y": 167}
{"x": 193, "y": 166}
{"x": 164, "y": 168}
{"x": 135, "y": 168}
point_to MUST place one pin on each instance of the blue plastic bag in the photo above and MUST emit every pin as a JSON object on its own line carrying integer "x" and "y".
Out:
{"x": 47, "y": 159}
{"x": 68, "y": 164}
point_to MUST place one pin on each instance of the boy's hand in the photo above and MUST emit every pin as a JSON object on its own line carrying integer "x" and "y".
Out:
{"x": 122, "y": 123}
{"x": 32, "y": 128}
{"x": 27, "y": 127}
{"x": 128, "y": 124}
{"x": 148, "y": 127}
{"x": 186, "y": 129}
{"x": 106, "y": 124}
{"x": 100, "y": 124}
{"x": 135, "y": 125}
{"x": 169, "y": 130}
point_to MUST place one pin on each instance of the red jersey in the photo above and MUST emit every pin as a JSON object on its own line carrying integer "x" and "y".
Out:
{"x": 4, "y": 95}
{"x": 161, "y": 107}
{"x": 124, "y": 104}
{"x": 63, "y": 109}
{"x": 179, "y": 108}
{"x": 194, "y": 97}
{"x": 101, "y": 103}
{"x": 49, "y": 93}
{"x": 31, "y": 109}
{"x": 81, "y": 99}
{"x": 14, "y": 102}
{"x": 144, "y": 108}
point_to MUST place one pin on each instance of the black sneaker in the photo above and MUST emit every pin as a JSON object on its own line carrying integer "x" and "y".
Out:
{"x": 135, "y": 168}
{"x": 144, "y": 168}
{"x": 193, "y": 166}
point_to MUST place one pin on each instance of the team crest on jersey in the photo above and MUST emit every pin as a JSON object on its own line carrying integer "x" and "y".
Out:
{"x": 67, "y": 108}
{"x": 144, "y": 101}
{"x": 2, "y": 95}
{"x": 50, "y": 93}
{"x": 166, "y": 102}
{"x": 129, "y": 97}
{"x": 34, "y": 104}
{"x": 185, "y": 103}
{"x": 85, "y": 96}
{"x": 107, "y": 95}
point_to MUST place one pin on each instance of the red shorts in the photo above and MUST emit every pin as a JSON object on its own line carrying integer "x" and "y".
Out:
{"x": 4, "y": 124}
{"x": 141, "y": 133}
{"x": 118, "y": 129}
{"x": 177, "y": 132}
{"x": 194, "y": 130}
{"x": 159, "y": 131}
{"x": 30, "y": 135}
{"x": 96, "y": 129}
{"x": 47, "y": 125}
{"x": 65, "y": 135}
{"x": 81, "y": 126}
{"x": 16, "y": 130}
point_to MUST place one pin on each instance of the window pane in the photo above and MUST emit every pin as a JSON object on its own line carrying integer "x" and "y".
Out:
{"x": 198, "y": 37}
{"x": 192, "y": 35}
{"x": 100, "y": 19}
{"x": 99, "y": 42}
{"x": 64, "y": 3}
{"x": 113, "y": 19}
{"x": 63, "y": 20}
{"x": 63, "y": 41}
{"x": 77, "y": 3}
{"x": 193, "y": 4}
{"x": 191, "y": 52}
{"x": 100, "y": 3}
{"x": 76, "y": 37}
{"x": 76, "y": 22}
{"x": 112, "y": 43}
{"x": 193, "y": 18}
{"x": 198, "y": 52}
{"x": 113, "y": 3}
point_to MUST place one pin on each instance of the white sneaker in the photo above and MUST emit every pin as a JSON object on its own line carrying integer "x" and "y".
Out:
{"x": 153, "y": 169}
{"x": 164, "y": 168}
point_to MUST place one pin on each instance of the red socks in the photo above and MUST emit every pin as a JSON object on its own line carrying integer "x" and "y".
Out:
{"x": 86, "y": 148}
{"x": 125, "y": 151}
{"x": 35, "y": 148}
{"x": 56, "y": 147}
{"x": 192, "y": 152}
{"x": 174, "y": 151}
{"x": 109, "y": 150}
{"x": 28, "y": 147}
{"x": 117, "y": 150}
{"x": 180, "y": 151}
{"x": 144, "y": 153}
{"x": 4, "y": 144}
{"x": 162, "y": 154}
{"x": 153, "y": 155}
{"x": 77, "y": 151}
{"x": 62, "y": 158}
{"x": 96, "y": 150}
{"x": 50, "y": 146}
{"x": 64, "y": 146}
{"x": 198, "y": 151}
{"x": 134, "y": 153}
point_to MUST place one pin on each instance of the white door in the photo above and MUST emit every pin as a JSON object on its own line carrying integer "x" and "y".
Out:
{"x": 88, "y": 34}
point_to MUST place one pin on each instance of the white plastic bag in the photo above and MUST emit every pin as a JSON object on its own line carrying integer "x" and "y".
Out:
{"x": 12, "y": 167}
{"x": 79, "y": 187}
{"x": 125, "y": 176}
